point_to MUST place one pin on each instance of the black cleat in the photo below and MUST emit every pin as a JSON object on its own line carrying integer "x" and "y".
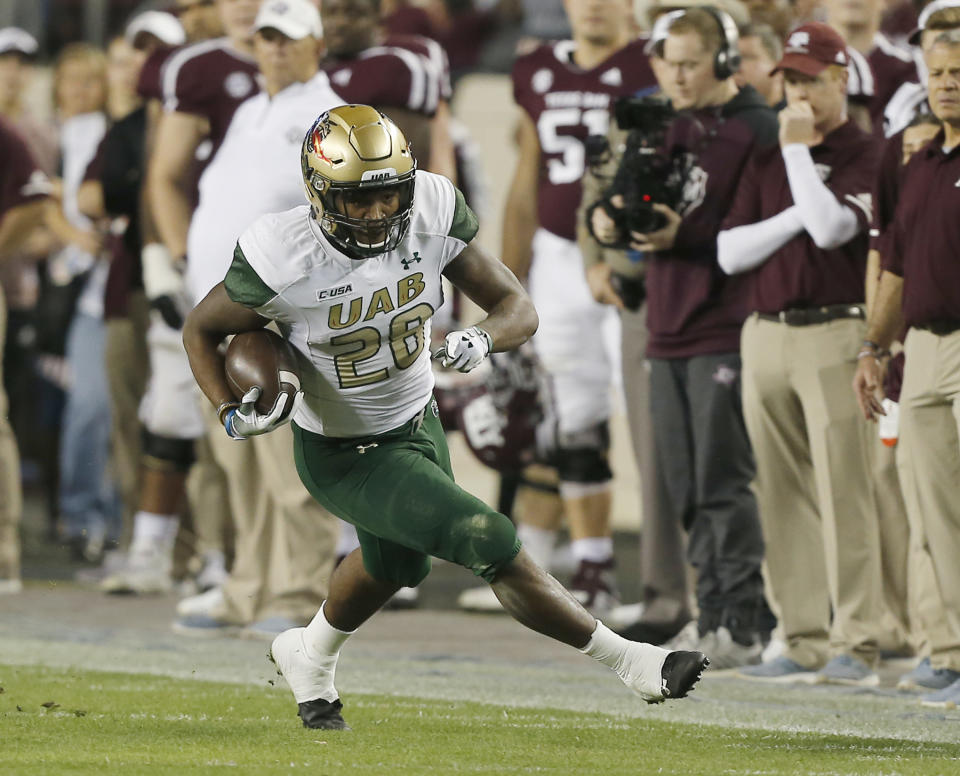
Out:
{"x": 322, "y": 715}
{"x": 681, "y": 671}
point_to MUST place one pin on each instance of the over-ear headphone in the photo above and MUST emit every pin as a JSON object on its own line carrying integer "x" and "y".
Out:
{"x": 726, "y": 61}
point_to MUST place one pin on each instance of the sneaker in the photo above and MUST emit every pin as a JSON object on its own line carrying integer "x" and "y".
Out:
{"x": 147, "y": 570}
{"x": 10, "y": 586}
{"x": 774, "y": 649}
{"x": 269, "y": 628}
{"x": 205, "y": 603}
{"x": 213, "y": 572}
{"x": 656, "y": 674}
{"x": 661, "y": 633}
{"x": 688, "y": 639}
{"x": 947, "y": 698}
{"x": 204, "y": 626}
{"x": 781, "y": 670}
{"x": 848, "y": 670}
{"x": 926, "y": 677}
{"x": 480, "y": 599}
{"x": 404, "y": 598}
{"x": 311, "y": 681}
{"x": 624, "y": 615}
{"x": 595, "y": 587}
{"x": 725, "y": 652}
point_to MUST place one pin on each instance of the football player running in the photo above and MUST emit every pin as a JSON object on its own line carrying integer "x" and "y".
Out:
{"x": 352, "y": 281}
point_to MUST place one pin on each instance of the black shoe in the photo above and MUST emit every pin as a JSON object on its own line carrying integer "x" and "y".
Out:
{"x": 681, "y": 671}
{"x": 323, "y": 715}
{"x": 656, "y": 633}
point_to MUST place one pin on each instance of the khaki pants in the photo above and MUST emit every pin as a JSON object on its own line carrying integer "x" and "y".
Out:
{"x": 814, "y": 485}
{"x": 663, "y": 565}
{"x": 284, "y": 540}
{"x": 128, "y": 366}
{"x": 928, "y": 459}
{"x": 11, "y": 497}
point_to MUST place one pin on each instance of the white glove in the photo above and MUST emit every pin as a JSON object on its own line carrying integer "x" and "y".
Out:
{"x": 163, "y": 283}
{"x": 463, "y": 350}
{"x": 244, "y": 421}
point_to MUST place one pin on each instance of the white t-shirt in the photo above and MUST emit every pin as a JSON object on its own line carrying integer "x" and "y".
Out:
{"x": 360, "y": 326}
{"x": 255, "y": 171}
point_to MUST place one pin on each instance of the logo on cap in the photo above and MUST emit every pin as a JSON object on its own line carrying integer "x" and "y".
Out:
{"x": 799, "y": 43}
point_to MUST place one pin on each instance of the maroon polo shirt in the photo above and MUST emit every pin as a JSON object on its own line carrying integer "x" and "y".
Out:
{"x": 886, "y": 190}
{"x": 566, "y": 105}
{"x": 208, "y": 79}
{"x": 693, "y": 307}
{"x": 405, "y": 71}
{"x": 800, "y": 274}
{"x": 924, "y": 245}
{"x": 21, "y": 179}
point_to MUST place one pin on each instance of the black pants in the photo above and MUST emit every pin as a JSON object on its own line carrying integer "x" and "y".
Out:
{"x": 705, "y": 455}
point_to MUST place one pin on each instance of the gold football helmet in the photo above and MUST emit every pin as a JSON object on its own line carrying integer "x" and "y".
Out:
{"x": 349, "y": 153}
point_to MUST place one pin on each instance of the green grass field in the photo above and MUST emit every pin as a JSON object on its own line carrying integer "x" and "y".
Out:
{"x": 56, "y": 721}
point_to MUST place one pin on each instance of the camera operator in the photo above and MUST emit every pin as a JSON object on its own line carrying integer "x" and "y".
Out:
{"x": 694, "y": 315}
{"x": 800, "y": 221}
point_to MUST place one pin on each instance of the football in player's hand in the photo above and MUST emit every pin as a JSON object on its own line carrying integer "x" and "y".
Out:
{"x": 264, "y": 359}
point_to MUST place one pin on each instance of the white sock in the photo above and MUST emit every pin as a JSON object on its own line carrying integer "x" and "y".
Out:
{"x": 595, "y": 549}
{"x": 322, "y": 639}
{"x": 606, "y": 647}
{"x": 322, "y": 643}
{"x": 638, "y": 665}
{"x": 347, "y": 541}
{"x": 153, "y": 530}
{"x": 538, "y": 542}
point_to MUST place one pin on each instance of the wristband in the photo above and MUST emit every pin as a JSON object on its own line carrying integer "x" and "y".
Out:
{"x": 224, "y": 408}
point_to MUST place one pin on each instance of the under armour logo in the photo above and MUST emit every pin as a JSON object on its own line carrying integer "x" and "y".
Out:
{"x": 414, "y": 260}
{"x": 957, "y": 184}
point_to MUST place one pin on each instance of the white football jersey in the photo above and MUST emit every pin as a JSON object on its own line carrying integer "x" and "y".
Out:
{"x": 360, "y": 326}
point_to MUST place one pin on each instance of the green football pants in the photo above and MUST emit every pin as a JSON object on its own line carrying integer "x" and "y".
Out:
{"x": 398, "y": 489}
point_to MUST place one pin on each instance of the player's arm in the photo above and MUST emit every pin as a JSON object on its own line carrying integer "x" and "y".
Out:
{"x": 520, "y": 213}
{"x": 18, "y": 223}
{"x": 511, "y": 317}
{"x": 443, "y": 160}
{"x": 177, "y": 137}
{"x": 208, "y": 324}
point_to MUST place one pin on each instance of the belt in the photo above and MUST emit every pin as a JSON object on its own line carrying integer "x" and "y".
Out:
{"x": 941, "y": 328}
{"x": 807, "y": 316}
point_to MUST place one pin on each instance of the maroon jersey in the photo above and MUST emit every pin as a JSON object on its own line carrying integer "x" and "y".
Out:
{"x": 876, "y": 77}
{"x": 406, "y": 71}
{"x": 149, "y": 83}
{"x": 800, "y": 274}
{"x": 925, "y": 237}
{"x": 566, "y": 105}
{"x": 21, "y": 179}
{"x": 209, "y": 79}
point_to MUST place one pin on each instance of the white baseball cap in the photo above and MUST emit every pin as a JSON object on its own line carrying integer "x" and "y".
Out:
{"x": 296, "y": 19}
{"x": 660, "y": 31}
{"x": 925, "y": 14}
{"x": 21, "y": 41}
{"x": 164, "y": 26}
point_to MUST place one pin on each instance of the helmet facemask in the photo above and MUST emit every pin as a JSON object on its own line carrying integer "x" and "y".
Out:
{"x": 364, "y": 237}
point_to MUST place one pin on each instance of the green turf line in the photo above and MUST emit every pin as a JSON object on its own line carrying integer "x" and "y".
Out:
{"x": 65, "y": 721}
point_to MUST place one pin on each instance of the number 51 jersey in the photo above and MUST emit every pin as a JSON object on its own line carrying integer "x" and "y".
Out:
{"x": 361, "y": 327}
{"x": 566, "y": 104}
